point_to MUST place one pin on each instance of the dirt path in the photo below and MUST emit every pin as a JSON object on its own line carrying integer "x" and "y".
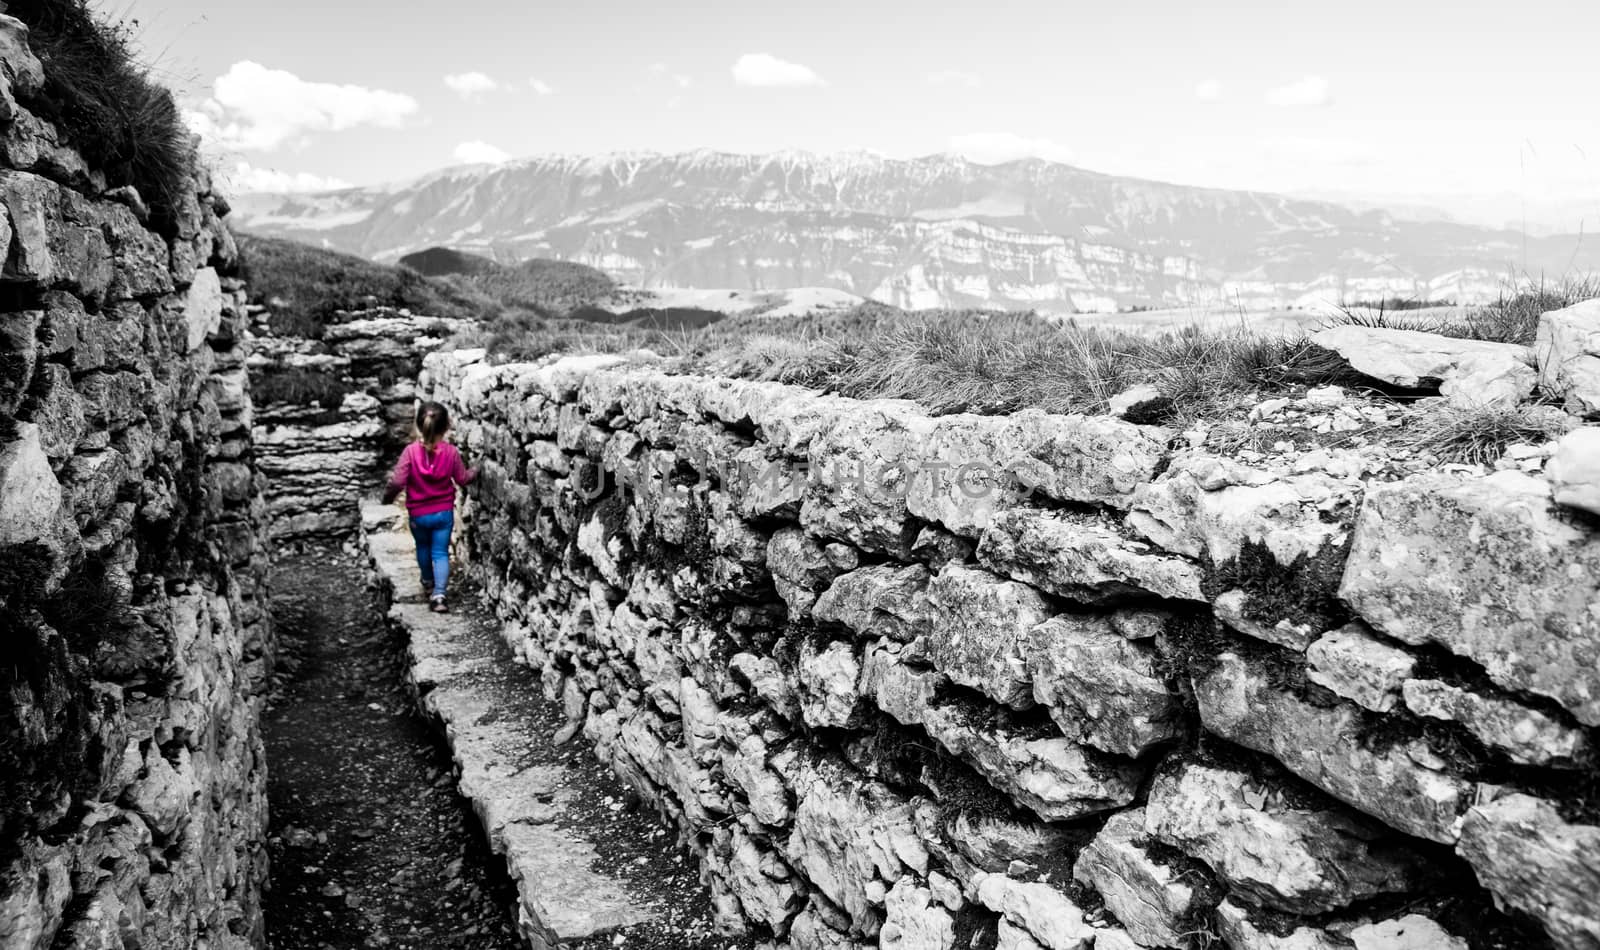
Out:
{"x": 370, "y": 845}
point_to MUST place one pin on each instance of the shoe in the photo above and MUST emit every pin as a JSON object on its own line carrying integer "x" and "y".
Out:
{"x": 437, "y": 606}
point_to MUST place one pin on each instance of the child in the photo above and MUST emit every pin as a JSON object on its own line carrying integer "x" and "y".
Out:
{"x": 428, "y": 472}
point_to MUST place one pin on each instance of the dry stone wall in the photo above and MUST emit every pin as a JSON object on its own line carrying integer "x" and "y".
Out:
{"x": 1046, "y": 681}
{"x": 132, "y": 577}
{"x": 334, "y": 410}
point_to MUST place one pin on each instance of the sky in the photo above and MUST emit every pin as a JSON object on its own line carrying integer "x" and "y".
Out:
{"x": 1486, "y": 110}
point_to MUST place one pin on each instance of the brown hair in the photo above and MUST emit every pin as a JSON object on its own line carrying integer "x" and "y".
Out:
{"x": 433, "y": 421}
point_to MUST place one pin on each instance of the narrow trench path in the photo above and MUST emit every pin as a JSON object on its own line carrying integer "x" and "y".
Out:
{"x": 370, "y": 845}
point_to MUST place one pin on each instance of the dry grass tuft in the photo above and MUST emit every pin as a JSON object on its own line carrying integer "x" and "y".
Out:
{"x": 103, "y": 99}
{"x": 1514, "y": 318}
{"x": 1480, "y": 435}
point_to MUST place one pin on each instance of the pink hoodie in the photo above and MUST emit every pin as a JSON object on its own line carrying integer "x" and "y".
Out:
{"x": 429, "y": 479}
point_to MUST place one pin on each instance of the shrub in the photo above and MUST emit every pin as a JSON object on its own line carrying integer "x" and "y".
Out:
{"x": 105, "y": 103}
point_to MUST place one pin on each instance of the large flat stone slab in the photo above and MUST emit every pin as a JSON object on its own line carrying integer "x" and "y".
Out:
{"x": 564, "y": 895}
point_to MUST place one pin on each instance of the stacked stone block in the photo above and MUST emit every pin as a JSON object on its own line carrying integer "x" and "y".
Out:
{"x": 1047, "y": 681}
{"x": 132, "y": 578}
{"x": 322, "y": 455}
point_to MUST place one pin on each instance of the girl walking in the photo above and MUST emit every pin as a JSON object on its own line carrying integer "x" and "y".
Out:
{"x": 428, "y": 472}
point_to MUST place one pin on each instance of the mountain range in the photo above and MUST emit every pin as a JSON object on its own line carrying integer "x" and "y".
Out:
{"x": 939, "y": 231}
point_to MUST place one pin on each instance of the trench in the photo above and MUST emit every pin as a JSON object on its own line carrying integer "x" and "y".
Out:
{"x": 370, "y": 846}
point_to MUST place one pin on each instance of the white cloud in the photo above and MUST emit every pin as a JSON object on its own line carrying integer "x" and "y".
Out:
{"x": 955, "y": 77}
{"x": 991, "y": 148}
{"x": 540, "y": 86}
{"x": 471, "y": 85}
{"x": 245, "y": 178}
{"x": 480, "y": 153}
{"x": 1309, "y": 91}
{"x": 253, "y": 107}
{"x": 764, "y": 69}
{"x": 1209, "y": 90}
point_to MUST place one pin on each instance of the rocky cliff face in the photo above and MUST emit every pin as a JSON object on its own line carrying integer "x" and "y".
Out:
{"x": 334, "y": 411}
{"x": 132, "y": 578}
{"x": 931, "y": 232}
{"x": 1055, "y": 682}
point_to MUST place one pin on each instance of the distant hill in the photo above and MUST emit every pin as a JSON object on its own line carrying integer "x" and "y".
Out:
{"x": 553, "y": 286}
{"x": 938, "y": 231}
{"x": 303, "y": 285}
{"x": 442, "y": 261}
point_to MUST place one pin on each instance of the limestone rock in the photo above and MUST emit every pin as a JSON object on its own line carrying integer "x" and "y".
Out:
{"x": 964, "y": 473}
{"x": 747, "y": 768}
{"x": 828, "y": 678}
{"x": 1411, "y": 932}
{"x": 1527, "y": 735}
{"x": 766, "y": 888}
{"x": 1148, "y": 897}
{"x": 992, "y": 842}
{"x": 981, "y": 629}
{"x": 861, "y": 467}
{"x": 799, "y": 569}
{"x": 1091, "y": 459}
{"x": 21, "y": 68}
{"x": 971, "y": 467}
{"x": 32, "y": 203}
{"x": 810, "y": 931}
{"x": 1323, "y": 746}
{"x": 1206, "y": 506}
{"x": 1568, "y": 350}
{"x": 880, "y": 600}
{"x": 1293, "y": 858}
{"x": 1535, "y": 861}
{"x": 1099, "y": 686}
{"x": 1239, "y": 932}
{"x": 30, "y": 496}
{"x": 1048, "y": 915}
{"x": 913, "y": 922}
{"x": 1359, "y": 667}
{"x": 1009, "y": 936}
{"x": 1232, "y": 607}
{"x": 1053, "y": 776}
{"x": 1469, "y": 372}
{"x": 766, "y": 487}
{"x": 1574, "y": 469}
{"x": 1485, "y": 568}
{"x": 162, "y": 795}
{"x": 853, "y": 839}
{"x": 767, "y": 681}
{"x": 37, "y": 883}
{"x": 1082, "y": 559}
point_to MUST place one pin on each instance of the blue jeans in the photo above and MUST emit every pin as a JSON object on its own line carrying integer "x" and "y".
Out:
{"x": 432, "y": 534}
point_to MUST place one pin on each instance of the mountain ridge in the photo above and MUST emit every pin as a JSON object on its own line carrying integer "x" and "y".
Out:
{"x": 930, "y": 231}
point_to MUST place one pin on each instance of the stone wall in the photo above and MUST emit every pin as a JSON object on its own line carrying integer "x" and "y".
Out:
{"x": 1051, "y": 681}
{"x": 132, "y": 583}
{"x": 334, "y": 411}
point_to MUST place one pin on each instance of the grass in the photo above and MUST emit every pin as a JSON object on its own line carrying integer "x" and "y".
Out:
{"x": 1513, "y": 318}
{"x": 305, "y": 286}
{"x": 1479, "y": 435}
{"x": 955, "y": 361}
{"x": 102, "y": 98}
{"x": 297, "y": 386}
{"x": 948, "y": 361}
